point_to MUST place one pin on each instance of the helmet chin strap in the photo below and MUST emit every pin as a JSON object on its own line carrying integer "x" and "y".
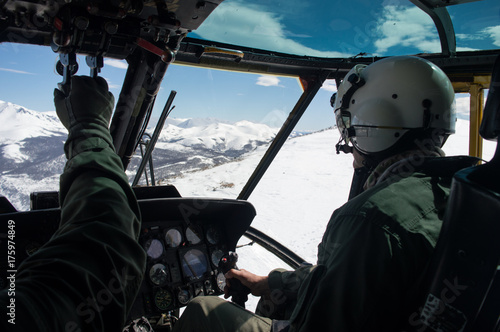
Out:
{"x": 346, "y": 148}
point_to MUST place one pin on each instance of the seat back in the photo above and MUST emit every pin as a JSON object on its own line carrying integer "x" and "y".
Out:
{"x": 464, "y": 293}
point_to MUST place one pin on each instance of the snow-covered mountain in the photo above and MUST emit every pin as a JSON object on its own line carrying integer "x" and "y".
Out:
{"x": 31, "y": 149}
{"x": 20, "y": 125}
{"x": 196, "y": 144}
{"x": 31, "y": 154}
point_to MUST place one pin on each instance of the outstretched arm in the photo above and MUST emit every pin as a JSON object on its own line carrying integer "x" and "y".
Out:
{"x": 87, "y": 276}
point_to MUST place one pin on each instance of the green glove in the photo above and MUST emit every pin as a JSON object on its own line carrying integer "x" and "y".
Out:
{"x": 89, "y": 102}
{"x": 85, "y": 113}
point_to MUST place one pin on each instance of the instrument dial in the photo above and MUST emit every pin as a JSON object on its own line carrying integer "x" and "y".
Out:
{"x": 194, "y": 264}
{"x": 193, "y": 235}
{"x": 163, "y": 299}
{"x": 184, "y": 296}
{"x": 173, "y": 238}
{"x": 216, "y": 256}
{"x": 153, "y": 248}
{"x": 158, "y": 274}
{"x": 213, "y": 236}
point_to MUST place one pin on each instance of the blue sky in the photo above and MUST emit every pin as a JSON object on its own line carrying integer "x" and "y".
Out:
{"x": 326, "y": 28}
{"x": 28, "y": 78}
{"x": 338, "y": 28}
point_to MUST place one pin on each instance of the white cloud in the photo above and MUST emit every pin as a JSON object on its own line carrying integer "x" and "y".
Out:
{"x": 462, "y": 103}
{"x": 233, "y": 22}
{"x": 16, "y": 71}
{"x": 494, "y": 33}
{"x": 467, "y": 37}
{"x": 121, "y": 64}
{"x": 408, "y": 27}
{"x": 329, "y": 85}
{"x": 268, "y": 81}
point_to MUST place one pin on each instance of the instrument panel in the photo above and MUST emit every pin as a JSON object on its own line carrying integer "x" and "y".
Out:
{"x": 183, "y": 238}
{"x": 182, "y": 263}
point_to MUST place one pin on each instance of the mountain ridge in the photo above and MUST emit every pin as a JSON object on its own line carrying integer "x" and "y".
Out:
{"x": 31, "y": 148}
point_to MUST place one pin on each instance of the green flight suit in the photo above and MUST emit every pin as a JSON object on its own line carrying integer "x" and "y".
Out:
{"x": 370, "y": 262}
{"x": 87, "y": 276}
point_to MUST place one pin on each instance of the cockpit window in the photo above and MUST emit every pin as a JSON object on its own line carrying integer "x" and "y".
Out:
{"x": 477, "y": 25}
{"x": 348, "y": 28}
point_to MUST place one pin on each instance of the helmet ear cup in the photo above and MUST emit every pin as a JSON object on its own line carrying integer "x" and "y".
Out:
{"x": 356, "y": 82}
{"x": 392, "y": 97}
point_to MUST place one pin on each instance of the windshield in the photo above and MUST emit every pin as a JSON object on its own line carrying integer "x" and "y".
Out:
{"x": 477, "y": 25}
{"x": 348, "y": 28}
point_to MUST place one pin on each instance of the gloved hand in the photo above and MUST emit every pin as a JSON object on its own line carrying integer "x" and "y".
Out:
{"x": 89, "y": 102}
{"x": 85, "y": 113}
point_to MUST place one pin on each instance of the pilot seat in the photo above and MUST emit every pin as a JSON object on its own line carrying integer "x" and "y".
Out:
{"x": 464, "y": 293}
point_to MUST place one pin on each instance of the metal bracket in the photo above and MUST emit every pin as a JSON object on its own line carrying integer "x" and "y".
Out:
{"x": 66, "y": 66}
{"x": 95, "y": 64}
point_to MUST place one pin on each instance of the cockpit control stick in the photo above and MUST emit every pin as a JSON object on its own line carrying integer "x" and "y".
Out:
{"x": 238, "y": 291}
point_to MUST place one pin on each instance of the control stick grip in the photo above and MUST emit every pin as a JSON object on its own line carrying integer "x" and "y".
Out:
{"x": 238, "y": 291}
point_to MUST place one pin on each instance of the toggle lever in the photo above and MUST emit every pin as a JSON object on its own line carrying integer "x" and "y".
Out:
{"x": 95, "y": 64}
{"x": 66, "y": 67}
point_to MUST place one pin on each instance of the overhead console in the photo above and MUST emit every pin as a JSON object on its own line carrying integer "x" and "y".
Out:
{"x": 184, "y": 239}
{"x": 101, "y": 27}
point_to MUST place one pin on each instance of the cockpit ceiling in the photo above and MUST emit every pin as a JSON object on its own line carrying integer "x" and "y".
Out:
{"x": 316, "y": 28}
{"x": 355, "y": 28}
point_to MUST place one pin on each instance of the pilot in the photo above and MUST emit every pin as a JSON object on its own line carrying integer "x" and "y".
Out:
{"x": 394, "y": 116}
{"x": 86, "y": 277}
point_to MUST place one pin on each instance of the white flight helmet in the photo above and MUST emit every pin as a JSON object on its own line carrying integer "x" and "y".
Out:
{"x": 377, "y": 104}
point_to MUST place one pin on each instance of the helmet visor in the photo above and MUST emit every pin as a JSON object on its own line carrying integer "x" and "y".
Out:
{"x": 343, "y": 120}
{"x": 342, "y": 117}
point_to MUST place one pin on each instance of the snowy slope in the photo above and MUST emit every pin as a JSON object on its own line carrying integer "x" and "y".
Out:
{"x": 303, "y": 186}
{"x": 20, "y": 124}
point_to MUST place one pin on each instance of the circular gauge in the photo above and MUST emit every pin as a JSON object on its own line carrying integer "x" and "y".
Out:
{"x": 154, "y": 248}
{"x": 158, "y": 274}
{"x": 173, "y": 238}
{"x": 194, "y": 264}
{"x": 184, "y": 296}
{"x": 216, "y": 256}
{"x": 163, "y": 299}
{"x": 213, "y": 236}
{"x": 221, "y": 281}
{"x": 192, "y": 235}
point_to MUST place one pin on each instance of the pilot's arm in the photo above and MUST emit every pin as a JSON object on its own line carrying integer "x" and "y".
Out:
{"x": 87, "y": 276}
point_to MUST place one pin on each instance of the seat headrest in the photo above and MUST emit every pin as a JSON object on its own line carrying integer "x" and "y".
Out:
{"x": 490, "y": 126}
